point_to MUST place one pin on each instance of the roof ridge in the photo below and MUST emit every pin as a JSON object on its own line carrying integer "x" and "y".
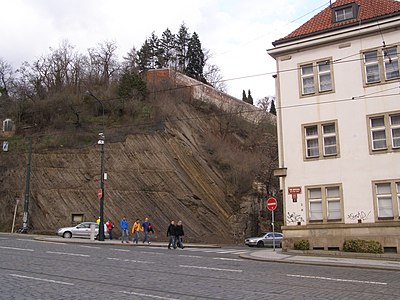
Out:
{"x": 367, "y": 10}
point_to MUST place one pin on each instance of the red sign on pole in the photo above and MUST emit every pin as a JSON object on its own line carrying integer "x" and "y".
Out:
{"x": 271, "y": 204}
{"x": 99, "y": 193}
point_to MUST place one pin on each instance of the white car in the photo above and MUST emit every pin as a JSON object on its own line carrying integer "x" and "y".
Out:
{"x": 265, "y": 239}
{"x": 81, "y": 230}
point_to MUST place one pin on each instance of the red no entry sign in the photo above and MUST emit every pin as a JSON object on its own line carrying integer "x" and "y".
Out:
{"x": 271, "y": 204}
{"x": 99, "y": 193}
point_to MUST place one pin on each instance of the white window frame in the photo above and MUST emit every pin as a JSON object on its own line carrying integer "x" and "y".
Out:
{"x": 345, "y": 13}
{"x": 322, "y": 137}
{"x": 386, "y": 61}
{"x": 390, "y": 132}
{"x": 318, "y": 74}
{"x": 325, "y": 200}
{"x": 392, "y": 195}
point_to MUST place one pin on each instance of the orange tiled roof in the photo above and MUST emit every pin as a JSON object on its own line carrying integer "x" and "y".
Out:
{"x": 368, "y": 10}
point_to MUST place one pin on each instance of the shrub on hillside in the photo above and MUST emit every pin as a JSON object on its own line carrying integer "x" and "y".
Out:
{"x": 302, "y": 245}
{"x": 362, "y": 246}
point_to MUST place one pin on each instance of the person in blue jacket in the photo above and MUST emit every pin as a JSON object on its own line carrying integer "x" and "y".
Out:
{"x": 147, "y": 228}
{"x": 123, "y": 224}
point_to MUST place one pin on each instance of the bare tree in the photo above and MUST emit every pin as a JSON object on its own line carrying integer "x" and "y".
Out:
{"x": 6, "y": 77}
{"x": 103, "y": 62}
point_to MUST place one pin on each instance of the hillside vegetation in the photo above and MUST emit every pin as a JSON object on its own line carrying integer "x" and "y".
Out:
{"x": 168, "y": 155}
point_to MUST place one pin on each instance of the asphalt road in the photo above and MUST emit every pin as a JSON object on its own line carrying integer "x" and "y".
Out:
{"x": 31, "y": 269}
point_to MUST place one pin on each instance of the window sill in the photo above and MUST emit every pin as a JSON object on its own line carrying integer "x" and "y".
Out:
{"x": 385, "y": 218}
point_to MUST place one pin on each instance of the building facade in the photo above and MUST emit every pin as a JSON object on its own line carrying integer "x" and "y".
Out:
{"x": 338, "y": 117}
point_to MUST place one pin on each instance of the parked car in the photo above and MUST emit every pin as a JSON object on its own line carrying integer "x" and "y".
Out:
{"x": 266, "y": 239}
{"x": 81, "y": 230}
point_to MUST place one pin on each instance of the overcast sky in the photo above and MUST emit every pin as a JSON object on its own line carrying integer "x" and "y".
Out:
{"x": 237, "y": 33}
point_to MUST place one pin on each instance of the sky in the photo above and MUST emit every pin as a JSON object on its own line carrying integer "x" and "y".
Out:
{"x": 237, "y": 33}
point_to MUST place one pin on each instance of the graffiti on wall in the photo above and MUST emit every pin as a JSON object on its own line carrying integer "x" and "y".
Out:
{"x": 294, "y": 218}
{"x": 360, "y": 215}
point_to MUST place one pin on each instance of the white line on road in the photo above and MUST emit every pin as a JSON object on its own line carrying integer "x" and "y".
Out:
{"x": 71, "y": 254}
{"x": 130, "y": 260}
{"x": 90, "y": 247}
{"x": 42, "y": 279}
{"x": 231, "y": 259}
{"x": 46, "y": 242}
{"x": 147, "y": 295}
{"x": 336, "y": 279}
{"x": 213, "y": 269}
{"x": 121, "y": 250}
{"x": 1, "y": 238}
{"x": 190, "y": 256}
{"x": 19, "y": 249}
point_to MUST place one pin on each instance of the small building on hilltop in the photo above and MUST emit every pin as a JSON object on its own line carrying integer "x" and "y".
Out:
{"x": 338, "y": 119}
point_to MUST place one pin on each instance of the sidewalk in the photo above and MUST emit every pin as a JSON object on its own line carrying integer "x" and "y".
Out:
{"x": 296, "y": 258}
{"x": 116, "y": 242}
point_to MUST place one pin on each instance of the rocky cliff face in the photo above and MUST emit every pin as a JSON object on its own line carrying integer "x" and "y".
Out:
{"x": 163, "y": 175}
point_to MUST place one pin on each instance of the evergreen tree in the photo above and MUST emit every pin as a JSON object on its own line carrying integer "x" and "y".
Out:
{"x": 144, "y": 57}
{"x": 249, "y": 98}
{"x": 167, "y": 50}
{"x": 131, "y": 86}
{"x": 272, "y": 109}
{"x": 244, "y": 97}
{"x": 195, "y": 59}
{"x": 154, "y": 45}
{"x": 181, "y": 46}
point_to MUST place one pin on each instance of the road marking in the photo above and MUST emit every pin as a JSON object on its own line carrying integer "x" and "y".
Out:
{"x": 213, "y": 269}
{"x": 147, "y": 295}
{"x": 1, "y": 238}
{"x": 121, "y": 250}
{"x": 336, "y": 279}
{"x": 153, "y": 253}
{"x": 42, "y": 279}
{"x": 130, "y": 260}
{"x": 47, "y": 242}
{"x": 71, "y": 254}
{"x": 231, "y": 259}
{"x": 90, "y": 247}
{"x": 190, "y": 256}
{"x": 19, "y": 249}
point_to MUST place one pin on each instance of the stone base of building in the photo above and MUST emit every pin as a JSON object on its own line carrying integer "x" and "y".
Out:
{"x": 332, "y": 236}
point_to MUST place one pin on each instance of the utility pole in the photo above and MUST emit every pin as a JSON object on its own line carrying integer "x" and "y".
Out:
{"x": 25, "y": 217}
{"x": 101, "y": 142}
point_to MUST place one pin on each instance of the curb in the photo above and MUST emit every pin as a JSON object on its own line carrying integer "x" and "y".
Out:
{"x": 320, "y": 263}
{"x": 116, "y": 243}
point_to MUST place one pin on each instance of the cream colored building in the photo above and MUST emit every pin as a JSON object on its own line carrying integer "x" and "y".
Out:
{"x": 338, "y": 109}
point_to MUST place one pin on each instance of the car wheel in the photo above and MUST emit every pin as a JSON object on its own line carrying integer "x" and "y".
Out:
{"x": 67, "y": 235}
{"x": 260, "y": 244}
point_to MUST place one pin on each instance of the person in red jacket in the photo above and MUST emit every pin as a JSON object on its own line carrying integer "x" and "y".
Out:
{"x": 110, "y": 227}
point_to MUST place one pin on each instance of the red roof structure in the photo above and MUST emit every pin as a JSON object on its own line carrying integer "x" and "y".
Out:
{"x": 368, "y": 11}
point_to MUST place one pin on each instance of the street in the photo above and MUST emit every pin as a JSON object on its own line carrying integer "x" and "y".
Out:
{"x": 31, "y": 269}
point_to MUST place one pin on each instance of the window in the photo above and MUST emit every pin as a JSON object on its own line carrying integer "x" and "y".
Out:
{"x": 316, "y": 77}
{"x": 324, "y": 203}
{"x": 384, "y": 132}
{"x": 320, "y": 140}
{"x": 345, "y": 13}
{"x": 387, "y": 198}
{"x": 381, "y": 65}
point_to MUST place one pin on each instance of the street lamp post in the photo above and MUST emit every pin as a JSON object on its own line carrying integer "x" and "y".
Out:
{"x": 101, "y": 143}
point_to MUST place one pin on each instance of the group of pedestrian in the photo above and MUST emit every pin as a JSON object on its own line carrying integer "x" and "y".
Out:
{"x": 146, "y": 227}
{"x": 175, "y": 234}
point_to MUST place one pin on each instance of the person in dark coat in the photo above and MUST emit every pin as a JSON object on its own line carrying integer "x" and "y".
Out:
{"x": 171, "y": 233}
{"x": 179, "y": 234}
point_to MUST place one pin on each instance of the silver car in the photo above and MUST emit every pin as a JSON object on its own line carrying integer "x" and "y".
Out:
{"x": 81, "y": 230}
{"x": 265, "y": 239}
